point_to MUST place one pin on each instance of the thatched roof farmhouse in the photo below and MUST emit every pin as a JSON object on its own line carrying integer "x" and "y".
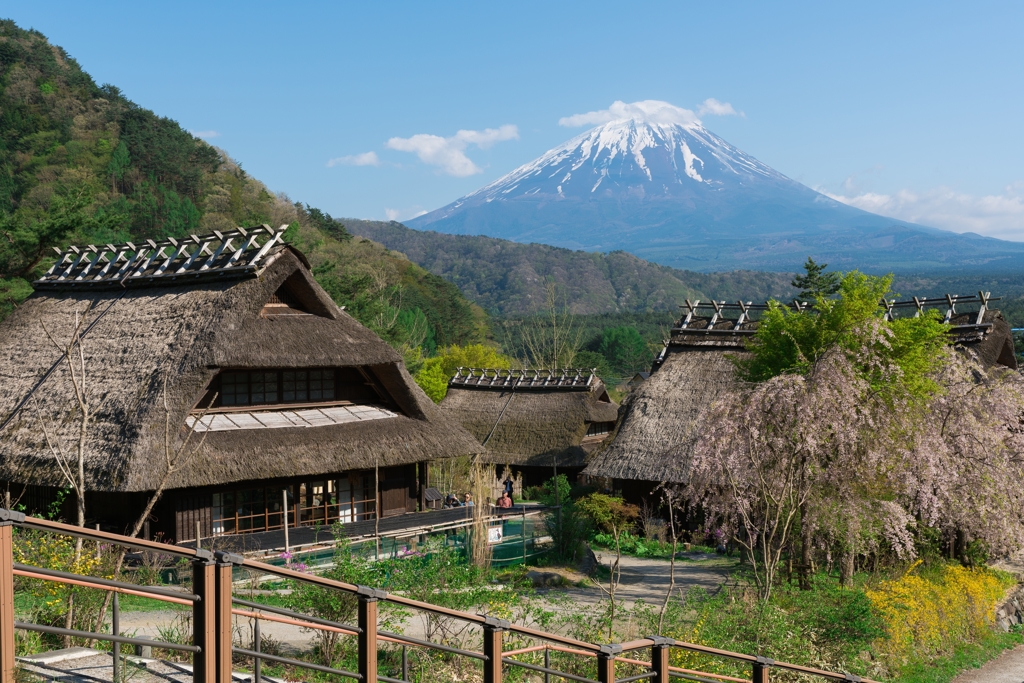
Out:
{"x": 532, "y": 420}
{"x": 661, "y": 418}
{"x": 230, "y": 336}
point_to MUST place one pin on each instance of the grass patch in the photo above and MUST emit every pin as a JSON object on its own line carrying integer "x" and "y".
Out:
{"x": 965, "y": 656}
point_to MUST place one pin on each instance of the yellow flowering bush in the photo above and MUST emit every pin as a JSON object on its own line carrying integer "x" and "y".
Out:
{"x": 929, "y": 615}
{"x": 46, "y": 602}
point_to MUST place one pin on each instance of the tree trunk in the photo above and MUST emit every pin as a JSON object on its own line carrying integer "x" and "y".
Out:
{"x": 805, "y": 550}
{"x": 846, "y": 559}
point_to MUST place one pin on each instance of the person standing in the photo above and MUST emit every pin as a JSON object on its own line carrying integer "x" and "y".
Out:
{"x": 509, "y": 487}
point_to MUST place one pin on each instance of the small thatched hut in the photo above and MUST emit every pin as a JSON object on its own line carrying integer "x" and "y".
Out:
{"x": 229, "y": 337}
{"x": 661, "y": 418}
{"x": 533, "y": 421}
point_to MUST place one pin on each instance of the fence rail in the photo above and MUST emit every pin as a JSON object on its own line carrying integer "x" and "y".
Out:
{"x": 213, "y": 608}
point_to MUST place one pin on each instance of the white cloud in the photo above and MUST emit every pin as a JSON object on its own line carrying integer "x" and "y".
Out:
{"x": 205, "y": 134}
{"x": 651, "y": 111}
{"x": 450, "y": 153}
{"x": 364, "y": 159}
{"x": 403, "y": 214}
{"x": 715, "y": 108}
{"x": 1000, "y": 215}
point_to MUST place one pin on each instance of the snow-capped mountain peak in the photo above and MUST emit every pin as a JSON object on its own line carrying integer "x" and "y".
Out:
{"x": 652, "y": 180}
{"x": 634, "y": 154}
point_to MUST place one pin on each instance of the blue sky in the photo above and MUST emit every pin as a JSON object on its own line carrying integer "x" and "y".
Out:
{"x": 911, "y": 109}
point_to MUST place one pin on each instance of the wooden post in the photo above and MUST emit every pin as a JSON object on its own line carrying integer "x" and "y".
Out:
{"x": 284, "y": 522}
{"x": 204, "y": 619}
{"x": 367, "y": 646}
{"x": 115, "y": 629}
{"x": 222, "y": 602}
{"x": 257, "y": 665}
{"x": 493, "y": 628}
{"x": 761, "y": 666}
{"x": 659, "y": 658}
{"x": 7, "y": 596}
{"x": 522, "y": 530}
{"x": 606, "y": 663}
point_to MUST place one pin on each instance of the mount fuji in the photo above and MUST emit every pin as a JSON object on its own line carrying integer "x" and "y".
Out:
{"x": 673, "y": 192}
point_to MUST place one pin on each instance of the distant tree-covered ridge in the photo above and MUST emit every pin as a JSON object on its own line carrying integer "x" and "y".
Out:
{"x": 82, "y": 164}
{"x": 510, "y": 279}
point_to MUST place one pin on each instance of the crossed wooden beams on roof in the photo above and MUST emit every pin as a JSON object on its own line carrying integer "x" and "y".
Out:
{"x": 735, "y": 319}
{"x": 213, "y": 256}
{"x": 498, "y": 378}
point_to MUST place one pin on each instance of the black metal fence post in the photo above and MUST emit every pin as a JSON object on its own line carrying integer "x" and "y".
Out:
{"x": 547, "y": 664}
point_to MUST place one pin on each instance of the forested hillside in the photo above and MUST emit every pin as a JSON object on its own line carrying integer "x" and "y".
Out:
{"x": 80, "y": 163}
{"x": 510, "y": 279}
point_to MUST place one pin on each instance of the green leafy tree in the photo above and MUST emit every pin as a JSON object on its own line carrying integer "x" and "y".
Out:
{"x": 789, "y": 341}
{"x": 433, "y": 377}
{"x": 119, "y": 162}
{"x": 815, "y": 283}
{"x": 625, "y": 349}
{"x": 593, "y": 360}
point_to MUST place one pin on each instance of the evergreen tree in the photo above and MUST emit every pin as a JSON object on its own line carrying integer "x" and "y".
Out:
{"x": 816, "y": 283}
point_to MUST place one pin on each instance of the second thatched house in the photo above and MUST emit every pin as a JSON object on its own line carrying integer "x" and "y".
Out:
{"x": 217, "y": 368}
{"x": 661, "y": 419}
{"x": 533, "y": 421}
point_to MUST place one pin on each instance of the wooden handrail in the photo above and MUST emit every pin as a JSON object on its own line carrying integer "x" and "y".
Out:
{"x": 212, "y": 610}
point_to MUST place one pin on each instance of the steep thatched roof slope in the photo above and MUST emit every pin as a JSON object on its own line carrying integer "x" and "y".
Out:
{"x": 531, "y": 425}
{"x": 141, "y": 337}
{"x": 664, "y": 414}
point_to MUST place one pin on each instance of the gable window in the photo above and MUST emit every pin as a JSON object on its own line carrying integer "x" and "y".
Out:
{"x": 599, "y": 428}
{"x": 236, "y": 388}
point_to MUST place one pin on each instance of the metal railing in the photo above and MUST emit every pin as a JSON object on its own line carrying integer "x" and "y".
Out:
{"x": 214, "y": 607}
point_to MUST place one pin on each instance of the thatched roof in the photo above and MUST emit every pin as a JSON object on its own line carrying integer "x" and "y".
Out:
{"x": 662, "y": 415}
{"x": 660, "y": 418}
{"x": 535, "y": 418}
{"x": 184, "y": 332}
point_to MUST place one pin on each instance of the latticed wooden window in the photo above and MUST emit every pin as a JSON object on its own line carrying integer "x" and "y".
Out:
{"x": 295, "y": 386}
{"x": 234, "y": 388}
{"x": 263, "y": 387}
{"x": 321, "y": 385}
{"x": 266, "y": 387}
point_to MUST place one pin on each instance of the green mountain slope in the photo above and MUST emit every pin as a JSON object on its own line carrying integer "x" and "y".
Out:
{"x": 510, "y": 279}
{"x": 80, "y": 164}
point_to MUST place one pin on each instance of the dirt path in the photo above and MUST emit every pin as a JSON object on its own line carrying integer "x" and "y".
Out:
{"x": 647, "y": 579}
{"x": 1006, "y": 668}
